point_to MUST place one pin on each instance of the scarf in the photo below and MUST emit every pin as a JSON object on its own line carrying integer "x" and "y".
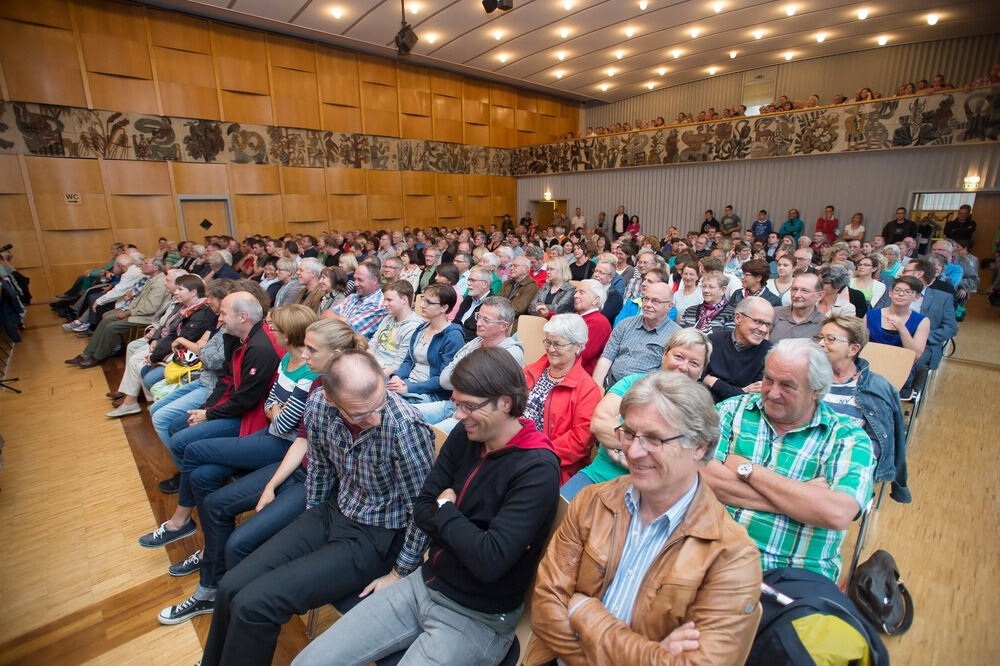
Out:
{"x": 706, "y": 313}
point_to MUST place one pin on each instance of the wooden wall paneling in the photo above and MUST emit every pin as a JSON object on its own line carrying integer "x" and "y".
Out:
{"x": 446, "y": 109}
{"x": 257, "y": 213}
{"x": 502, "y": 132}
{"x": 418, "y": 198}
{"x": 254, "y": 179}
{"x": 339, "y": 89}
{"x": 476, "y": 113}
{"x": 347, "y": 203}
{"x": 19, "y": 229}
{"x": 250, "y": 108}
{"x": 52, "y": 178}
{"x": 15, "y": 181}
{"x": 80, "y": 249}
{"x": 477, "y": 200}
{"x": 180, "y": 32}
{"x": 11, "y": 181}
{"x": 303, "y": 195}
{"x": 134, "y": 177}
{"x": 415, "y": 107}
{"x": 526, "y": 119}
{"x": 242, "y": 71}
{"x": 142, "y": 219}
{"x": 41, "y": 64}
{"x": 295, "y": 89}
{"x": 291, "y": 53}
{"x": 345, "y": 181}
{"x": 52, "y": 13}
{"x": 379, "y": 96}
{"x": 385, "y": 197}
{"x": 194, "y": 178}
{"x": 187, "y": 83}
{"x": 450, "y": 190}
{"x": 504, "y": 197}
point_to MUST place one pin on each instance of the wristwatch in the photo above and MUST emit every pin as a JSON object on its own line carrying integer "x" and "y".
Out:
{"x": 744, "y": 471}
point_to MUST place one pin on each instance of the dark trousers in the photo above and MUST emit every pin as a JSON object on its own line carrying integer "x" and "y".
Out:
{"x": 108, "y": 336}
{"x": 320, "y": 558}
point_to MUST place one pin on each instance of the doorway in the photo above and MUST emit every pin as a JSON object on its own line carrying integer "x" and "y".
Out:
{"x": 201, "y": 216}
{"x": 545, "y": 211}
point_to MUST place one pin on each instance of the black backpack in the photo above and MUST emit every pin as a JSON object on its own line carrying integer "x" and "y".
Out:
{"x": 820, "y": 625}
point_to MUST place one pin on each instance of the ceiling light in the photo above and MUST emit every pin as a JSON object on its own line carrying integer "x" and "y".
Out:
{"x": 336, "y": 12}
{"x": 862, "y": 14}
{"x": 712, "y": 71}
{"x": 718, "y": 7}
{"x": 568, "y": 5}
{"x": 790, "y": 10}
{"x": 610, "y": 71}
{"x": 414, "y": 7}
{"x": 503, "y": 57}
{"x": 732, "y": 54}
{"x": 619, "y": 54}
{"x": 676, "y": 53}
{"x": 564, "y": 33}
{"x": 629, "y": 32}
{"x": 821, "y": 37}
{"x": 604, "y": 87}
{"x": 650, "y": 85}
{"x": 559, "y": 73}
{"x": 694, "y": 32}
{"x": 757, "y": 34}
{"x": 932, "y": 19}
{"x": 431, "y": 38}
{"x": 661, "y": 71}
{"x": 789, "y": 55}
{"x": 642, "y": 5}
{"x": 561, "y": 55}
{"x": 498, "y": 34}
{"x": 882, "y": 40}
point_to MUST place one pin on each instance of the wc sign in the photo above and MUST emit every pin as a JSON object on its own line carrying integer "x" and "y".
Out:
{"x": 72, "y": 198}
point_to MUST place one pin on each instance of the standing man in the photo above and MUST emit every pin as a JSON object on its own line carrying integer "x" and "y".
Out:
{"x": 899, "y": 228}
{"x": 730, "y": 221}
{"x": 801, "y": 319}
{"x": 962, "y": 227}
{"x": 828, "y": 225}
{"x": 369, "y": 455}
{"x": 578, "y": 220}
{"x": 487, "y": 507}
{"x": 362, "y": 310}
{"x": 519, "y": 289}
{"x": 619, "y": 223}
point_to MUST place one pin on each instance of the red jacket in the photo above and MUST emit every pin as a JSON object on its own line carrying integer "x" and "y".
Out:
{"x": 599, "y": 330}
{"x": 568, "y": 411}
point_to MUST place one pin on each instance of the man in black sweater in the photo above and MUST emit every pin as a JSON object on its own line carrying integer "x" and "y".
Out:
{"x": 737, "y": 363}
{"x": 487, "y": 506}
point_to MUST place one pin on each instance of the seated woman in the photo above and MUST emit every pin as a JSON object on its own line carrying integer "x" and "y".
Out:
{"x": 866, "y": 280}
{"x": 447, "y": 273}
{"x": 192, "y": 321}
{"x": 835, "y": 298}
{"x": 290, "y": 286}
{"x": 715, "y": 313}
{"x": 898, "y": 324}
{"x": 582, "y": 268}
{"x": 866, "y": 398}
{"x": 754, "y": 275}
{"x": 687, "y": 352}
{"x": 334, "y": 282}
{"x": 556, "y": 297}
{"x": 432, "y": 347}
{"x": 348, "y": 263}
{"x": 688, "y": 292}
{"x": 205, "y": 464}
{"x": 561, "y": 394}
{"x": 276, "y": 491}
{"x": 269, "y": 280}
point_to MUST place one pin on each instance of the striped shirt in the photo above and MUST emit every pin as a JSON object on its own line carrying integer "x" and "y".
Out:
{"x": 291, "y": 389}
{"x": 828, "y": 446}
{"x": 363, "y": 313}
{"x": 373, "y": 477}
{"x": 643, "y": 545}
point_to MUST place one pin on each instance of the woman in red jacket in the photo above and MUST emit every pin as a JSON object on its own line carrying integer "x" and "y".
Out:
{"x": 561, "y": 395}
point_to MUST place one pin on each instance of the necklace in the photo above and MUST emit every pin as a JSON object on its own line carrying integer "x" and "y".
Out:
{"x": 555, "y": 378}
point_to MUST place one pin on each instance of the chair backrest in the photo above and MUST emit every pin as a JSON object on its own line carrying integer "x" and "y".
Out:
{"x": 439, "y": 437}
{"x": 416, "y": 302}
{"x": 529, "y": 332}
{"x": 893, "y": 363}
{"x": 576, "y": 283}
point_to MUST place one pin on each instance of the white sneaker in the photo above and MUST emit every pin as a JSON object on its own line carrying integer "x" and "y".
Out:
{"x": 124, "y": 410}
{"x": 80, "y": 326}
{"x": 71, "y": 325}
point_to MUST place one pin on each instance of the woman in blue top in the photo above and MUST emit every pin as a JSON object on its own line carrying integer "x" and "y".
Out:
{"x": 793, "y": 226}
{"x": 432, "y": 347}
{"x": 899, "y": 325}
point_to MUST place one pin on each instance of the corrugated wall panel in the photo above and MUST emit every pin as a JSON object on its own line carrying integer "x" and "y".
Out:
{"x": 873, "y": 184}
{"x": 959, "y": 60}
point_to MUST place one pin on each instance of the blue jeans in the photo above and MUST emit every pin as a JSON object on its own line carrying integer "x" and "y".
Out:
{"x": 152, "y": 374}
{"x": 435, "y": 412}
{"x": 224, "y": 547}
{"x": 576, "y": 483}
{"x": 208, "y": 463}
{"x": 181, "y": 434}
{"x": 403, "y": 617}
{"x": 167, "y": 409}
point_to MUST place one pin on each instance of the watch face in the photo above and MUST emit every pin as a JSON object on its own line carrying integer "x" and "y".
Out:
{"x": 744, "y": 469}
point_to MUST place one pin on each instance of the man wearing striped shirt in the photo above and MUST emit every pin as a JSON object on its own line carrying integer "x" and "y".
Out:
{"x": 790, "y": 469}
{"x": 369, "y": 453}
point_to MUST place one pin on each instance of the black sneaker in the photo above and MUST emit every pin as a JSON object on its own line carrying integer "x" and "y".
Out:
{"x": 161, "y": 536}
{"x": 170, "y": 486}
{"x": 188, "y": 566}
{"x": 185, "y": 610}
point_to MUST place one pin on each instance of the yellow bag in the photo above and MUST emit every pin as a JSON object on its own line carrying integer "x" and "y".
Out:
{"x": 182, "y": 368}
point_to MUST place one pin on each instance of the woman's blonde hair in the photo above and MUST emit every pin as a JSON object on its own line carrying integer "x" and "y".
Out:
{"x": 337, "y": 335}
{"x": 292, "y": 321}
{"x": 559, "y": 266}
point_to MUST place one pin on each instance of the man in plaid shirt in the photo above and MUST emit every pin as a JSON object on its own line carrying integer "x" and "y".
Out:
{"x": 792, "y": 471}
{"x": 364, "y": 309}
{"x": 369, "y": 453}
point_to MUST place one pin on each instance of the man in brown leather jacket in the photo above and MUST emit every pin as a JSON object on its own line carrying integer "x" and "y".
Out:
{"x": 650, "y": 568}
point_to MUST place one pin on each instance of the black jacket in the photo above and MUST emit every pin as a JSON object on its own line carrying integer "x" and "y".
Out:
{"x": 468, "y": 326}
{"x": 259, "y": 363}
{"x": 485, "y": 547}
{"x": 192, "y": 328}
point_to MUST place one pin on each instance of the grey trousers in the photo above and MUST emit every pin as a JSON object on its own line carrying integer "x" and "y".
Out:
{"x": 403, "y": 617}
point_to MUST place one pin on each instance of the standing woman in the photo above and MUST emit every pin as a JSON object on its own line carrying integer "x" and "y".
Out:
{"x": 556, "y": 297}
{"x": 855, "y": 230}
{"x": 688, "y": 294}
{"x": 793, "y": 226}
{"x": 864, "y": 279}
{"x": 898, "y": 324}
{"x": 582, "y": 267}
{"x": 781, "y": 286}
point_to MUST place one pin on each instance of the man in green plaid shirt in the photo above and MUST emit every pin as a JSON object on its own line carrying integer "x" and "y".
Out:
{"x": 790, "y": 470}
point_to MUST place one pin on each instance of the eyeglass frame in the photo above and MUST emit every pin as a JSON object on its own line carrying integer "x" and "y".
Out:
{"x": 759, "y": 322}
{"x": 356, "y": 418}
{"x": 483, "y": 319}
{"x": 622, "y": 433}
{"x": 549, "y": 344}
{"x": 469, "y": 409}
{"x": 829, "y": 338}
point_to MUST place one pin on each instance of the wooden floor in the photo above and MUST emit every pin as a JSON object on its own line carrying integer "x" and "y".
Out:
{"x": 77, "y": 490}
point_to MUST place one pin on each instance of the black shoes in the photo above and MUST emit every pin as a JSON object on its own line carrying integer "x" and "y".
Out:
{"x": 170, "y": 486}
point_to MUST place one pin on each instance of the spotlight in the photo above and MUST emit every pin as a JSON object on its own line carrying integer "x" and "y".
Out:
{"x": 405, "y": 40}
{"x": 492, "y": 5}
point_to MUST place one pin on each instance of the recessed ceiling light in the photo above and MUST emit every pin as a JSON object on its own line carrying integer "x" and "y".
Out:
{"x": 932, "y": 19}
{"x": 498, "y": 34}
{"x": 610, "y": 71}
{"x": 650, "y": 85}
{"x": 336, "y": 12}
{"x": 561, "y": 55}
{"x": 642, "y": 5}
{"x": 789, "y": 55}
{"x": 619, "y": 54}
{"x": 732, "y": 54}
{"x": 862, "y": 14}
{"x": 414, "y": 7}
{"x": 790, "y": 10}
{"x": 676, "y": 53}
{"x": 661, "y": 71}
{"x": 718, "y": 7}
{"x": 564, "y": 33}
{"x": 559, "y": 73}
{"x": 757, "y": 34}
{"x": 882, "y": 40}
{"x": 712, "y": 71}
{"x": 629, "y": 32}
{"x": 604, "y": 87}
{"x": 431, "y": 37}
{"x": 568, "y": 4}
{"x": 821, "y": 37}
{"x": 694, "y": 32}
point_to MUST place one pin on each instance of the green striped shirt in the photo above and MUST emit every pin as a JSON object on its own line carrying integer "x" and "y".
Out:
{"x": 829, "y": 446}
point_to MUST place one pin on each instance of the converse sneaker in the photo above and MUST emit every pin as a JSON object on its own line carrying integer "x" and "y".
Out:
{"x": 161, "y": 536}
{"x": 185, "y": 610}
{"x": 188, "y": 566}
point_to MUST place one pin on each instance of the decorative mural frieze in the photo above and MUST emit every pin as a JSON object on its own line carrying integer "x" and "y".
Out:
{"x": 952, "y": 118}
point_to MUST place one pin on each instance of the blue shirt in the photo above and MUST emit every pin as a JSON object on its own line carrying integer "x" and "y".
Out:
{"x": 643, "y": 545}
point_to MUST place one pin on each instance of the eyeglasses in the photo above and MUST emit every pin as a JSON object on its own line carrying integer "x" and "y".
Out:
{"x": 358, "y": 418}
{"x": 427, "y": 302}
{"x": 483, "y": 319}
{"x": 469, "y": 408}
{"x": 472, "y": 279}
{"x": 903, "y": 292}
{"x": 550, "y": 344}
{"x": 658, "y": 301}
{"x": 829, "y": 339}
{"x": 648, "y": 443}
{"x": 759, "y": 322}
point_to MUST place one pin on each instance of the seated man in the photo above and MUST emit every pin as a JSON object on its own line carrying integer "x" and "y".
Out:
{"x": 479, "y": 283}
{"x": 370, "y": 454}
{"x": 801, "y": 319}
{"x": 681, "y": 577}
{"x": 939, "y": 307}
{"x": 636, "y": 344}
{"x": 519, "y": 288}
{"x": 364, "y": 309}
{"x": 789, "y": 469}
{"x": 604, "y": 272}
{"x": 463, "y": 604}
{"x": 737, "y": 361}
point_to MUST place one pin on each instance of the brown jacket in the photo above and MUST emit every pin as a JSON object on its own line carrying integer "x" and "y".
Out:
{"x": 709, "y": 573}
{"x": 520, "y": 295}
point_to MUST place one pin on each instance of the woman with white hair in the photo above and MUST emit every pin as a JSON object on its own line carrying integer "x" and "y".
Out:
{"x": 556, "y": 297}
{"x": 893, "y": 260}
{"x": 561, "y": 394}
{"x": 290, "y": 286}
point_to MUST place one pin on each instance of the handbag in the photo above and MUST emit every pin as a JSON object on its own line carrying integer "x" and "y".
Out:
{"x": 182, "y": 367}
{"x": 880, "y": 595}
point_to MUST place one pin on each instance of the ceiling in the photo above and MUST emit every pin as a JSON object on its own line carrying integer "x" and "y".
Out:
{"x": 597, "y": 50}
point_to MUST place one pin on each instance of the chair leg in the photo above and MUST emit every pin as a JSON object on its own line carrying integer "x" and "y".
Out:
{"x": 311, "y": 620}
{"x": 860, "y": 543}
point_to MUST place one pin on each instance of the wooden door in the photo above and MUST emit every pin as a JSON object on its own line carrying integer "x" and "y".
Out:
{"x": 986, "y": 213}
{"x": 195, "y": 211}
